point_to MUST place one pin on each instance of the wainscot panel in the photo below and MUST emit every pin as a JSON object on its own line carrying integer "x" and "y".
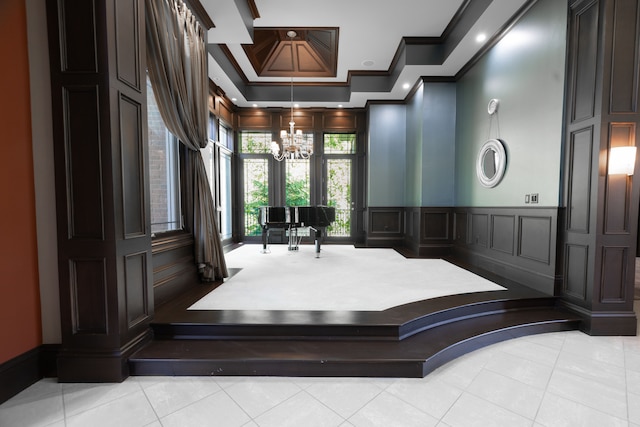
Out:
{"x": 174, "y": 269}
{"x": 422, "y": 231}
{"x": 515, "y": 243}
{"x": 385, "y": 226}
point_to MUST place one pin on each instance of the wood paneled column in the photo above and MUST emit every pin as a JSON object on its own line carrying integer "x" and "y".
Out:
{"x": 598, "y": 245}
{"x": 97, "y": 50}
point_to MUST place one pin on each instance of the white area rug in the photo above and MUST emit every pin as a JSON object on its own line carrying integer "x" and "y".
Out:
{"x": 343, "y": 278}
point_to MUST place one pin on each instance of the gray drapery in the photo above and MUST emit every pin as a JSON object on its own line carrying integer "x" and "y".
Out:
{"x": 177, "y": 63}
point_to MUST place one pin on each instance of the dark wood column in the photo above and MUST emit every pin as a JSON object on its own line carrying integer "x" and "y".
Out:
{"x": 598, "y": 244}
{"x": 97, "y": 50}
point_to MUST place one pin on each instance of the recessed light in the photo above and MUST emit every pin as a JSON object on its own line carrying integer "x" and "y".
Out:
{"x": 368, "y": 63}
{"x": 234, "y": 99}
{"x": 481, "y": 37}
{"x": 255, "y": 105}
{"x": 339, "y": 105}
{"x": 406, "y": 86}
{"x": 296, "y": 105}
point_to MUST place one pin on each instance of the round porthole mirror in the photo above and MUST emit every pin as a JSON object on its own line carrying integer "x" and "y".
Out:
{"x": 491, "y": 163}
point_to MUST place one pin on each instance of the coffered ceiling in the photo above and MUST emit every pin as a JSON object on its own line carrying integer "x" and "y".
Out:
{"x": 345, "y": 52}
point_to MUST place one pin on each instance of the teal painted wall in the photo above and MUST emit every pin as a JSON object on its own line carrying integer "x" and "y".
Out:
{"x": 424, "y": 153}
{"x": 386, "y": 155}
{"x": 414, "y": 170}
{"x": 431, "y": 118}
{"x": 525, "y": 71}
{"x": 438, "y": 144}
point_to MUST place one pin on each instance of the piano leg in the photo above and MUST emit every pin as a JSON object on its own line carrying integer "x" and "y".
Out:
{"x": 318, "y": 235}
{"x": 293, "y": 238}
{"x": 265, "y": 238}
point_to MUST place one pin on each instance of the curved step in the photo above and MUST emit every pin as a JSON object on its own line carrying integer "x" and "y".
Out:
{"x": 393, "y": 324}
{"x": 414, "y": 356}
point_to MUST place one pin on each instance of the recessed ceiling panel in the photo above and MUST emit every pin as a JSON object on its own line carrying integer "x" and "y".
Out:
{"x": 311, "y": 53}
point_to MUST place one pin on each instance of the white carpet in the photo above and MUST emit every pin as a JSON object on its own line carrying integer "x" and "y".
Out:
{"x": 343, "y": 278}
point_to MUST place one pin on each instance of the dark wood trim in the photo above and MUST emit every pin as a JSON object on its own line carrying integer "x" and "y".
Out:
{"x": 26, "y": 369}
{"x": 385, "y": 226}
{"x": 102, "y": 196}
{"x": 19, "y": 373}
{"x": 433, "y": 50}
{"x": 518, "y": 243}
{"x": 603, "y": 323}
{"x": 254, "y": 9}
{"x": 174, "y": 267}
{"x": 201, "y": 13}
{"x": 598, "y": 233}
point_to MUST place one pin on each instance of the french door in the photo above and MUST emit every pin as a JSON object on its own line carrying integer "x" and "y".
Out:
{"x": 327, "y": 178}
{"x": 339, "y": 150}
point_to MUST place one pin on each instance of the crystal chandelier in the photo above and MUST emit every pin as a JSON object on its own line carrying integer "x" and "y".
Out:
{"x": 293, "y": 143}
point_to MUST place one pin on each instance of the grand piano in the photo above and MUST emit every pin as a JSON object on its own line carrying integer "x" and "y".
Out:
{"x": 291, "y": 218}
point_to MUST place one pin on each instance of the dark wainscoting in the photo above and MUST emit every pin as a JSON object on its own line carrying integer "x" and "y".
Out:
{"x": 174, "y": 269}
{"x": 515, "y": 243}
{"x": 421, "y": 231}
{"x": 429, "y": 231}
{"x": 385, "y": 226}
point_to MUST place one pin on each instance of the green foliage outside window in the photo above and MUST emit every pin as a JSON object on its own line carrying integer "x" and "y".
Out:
{"x": 297, "y": 185}
{"x": 256, "y": 193}
{"x": 339, "y": 143}
{"x": 255, "y": 142}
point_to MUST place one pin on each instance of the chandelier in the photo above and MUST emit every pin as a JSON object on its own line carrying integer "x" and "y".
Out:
{"x": 293, "y": 143}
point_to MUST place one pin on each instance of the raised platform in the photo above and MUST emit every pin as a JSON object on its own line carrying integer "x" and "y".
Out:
{"x": 406, "y": 341}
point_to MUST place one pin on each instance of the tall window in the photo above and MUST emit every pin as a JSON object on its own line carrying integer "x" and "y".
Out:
{"x": 297, "y": 184}
{"x": 225, "y": 138}
{"x": 164, "y": 176}
{"x": 339, "y": 151}
{"x": 255, "y": 148}
{"x": 217, "y": 161}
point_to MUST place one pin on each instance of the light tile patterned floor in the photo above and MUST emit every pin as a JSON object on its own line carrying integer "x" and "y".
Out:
{"x": 557, "y": 379}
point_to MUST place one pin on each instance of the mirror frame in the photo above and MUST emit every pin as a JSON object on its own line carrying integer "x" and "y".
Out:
{"x": 497, "y": 146}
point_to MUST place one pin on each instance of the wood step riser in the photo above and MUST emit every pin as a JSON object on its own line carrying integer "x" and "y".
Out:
{"x": 289, "y": 365}
{"x": 384, "y": 332}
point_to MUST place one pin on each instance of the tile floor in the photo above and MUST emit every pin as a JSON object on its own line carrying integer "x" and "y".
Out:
{"x": 556, "y": 379}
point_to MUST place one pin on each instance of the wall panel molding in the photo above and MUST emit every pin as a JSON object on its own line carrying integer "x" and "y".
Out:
{"x": 83, "y": 162}
{"x": 530, "y": 246}
{"x": 132, "y": 160}
{"x": 598, "y": 237}
{"x": 612, "y": 282}
{"x": 127, "y": 53}
{"x": 174, "y": 267}
{"x": 77, "y": 54}
{"x": 89, "y": 295}
{"x": 517, "y": 243}
{"x": 503, "y": 232}
{"x": 625, "y": 58}
{"x": 579, "y": 179}
{"x": 136, "y": 277}
{"x": 97, "y": 56}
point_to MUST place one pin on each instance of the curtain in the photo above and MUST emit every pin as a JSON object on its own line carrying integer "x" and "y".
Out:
{"x": 177, "y": 63}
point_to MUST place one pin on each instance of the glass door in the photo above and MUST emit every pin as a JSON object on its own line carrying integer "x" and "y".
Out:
{"x": 339, "y": 152}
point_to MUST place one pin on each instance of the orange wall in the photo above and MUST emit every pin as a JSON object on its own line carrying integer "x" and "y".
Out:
{"x": 20, "y": 326}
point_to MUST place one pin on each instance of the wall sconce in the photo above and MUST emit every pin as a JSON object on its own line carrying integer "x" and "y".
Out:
{"x": 622, "y": 160}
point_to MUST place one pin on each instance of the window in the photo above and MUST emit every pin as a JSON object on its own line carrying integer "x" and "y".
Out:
{"x": 297, "y": 183}
{"x": 217, "y": 157}
{"x": 339, "y": 152}
{"x": 255, "y": 142}
{"x": 164, "y": 176}
{"x": 255, "y": 149}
